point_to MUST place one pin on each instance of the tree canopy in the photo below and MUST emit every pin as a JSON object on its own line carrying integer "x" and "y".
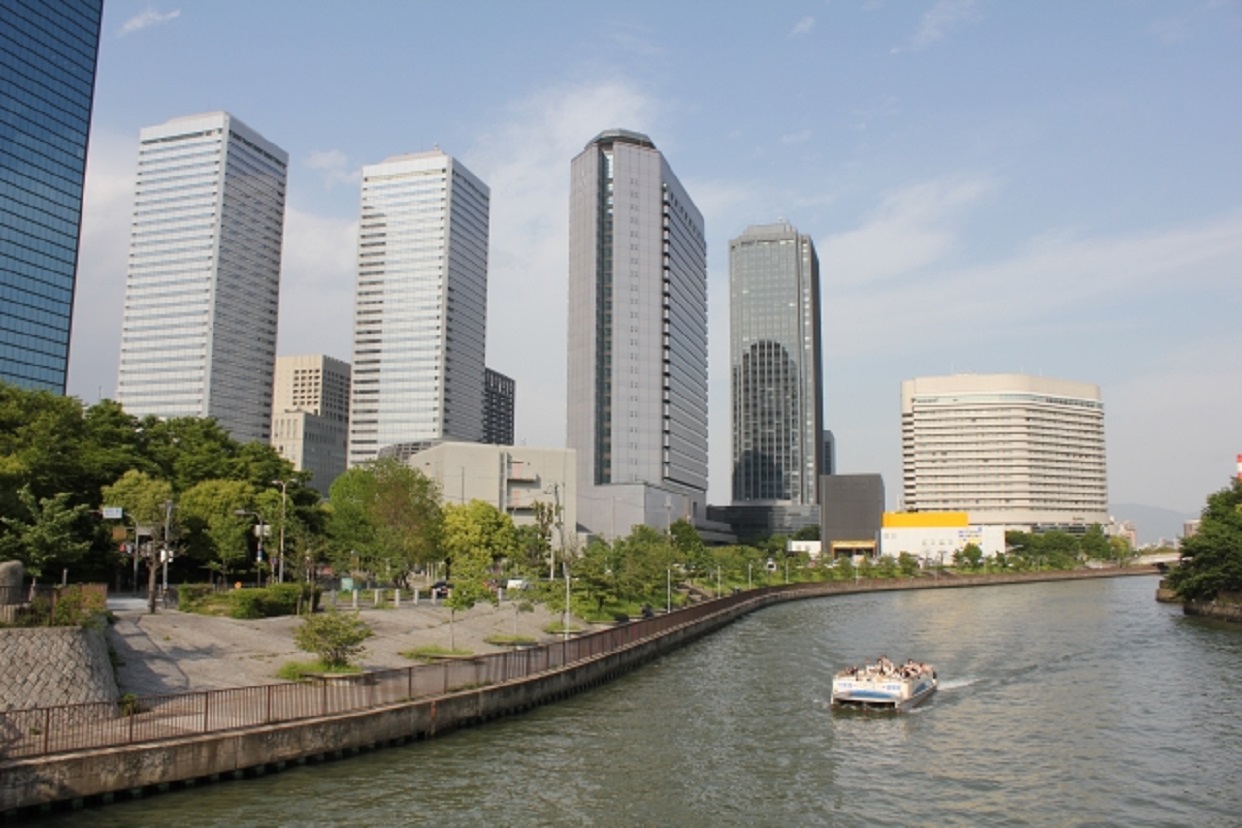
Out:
{"x": 385, "y": 519}
{"x": 1211, "y": 559}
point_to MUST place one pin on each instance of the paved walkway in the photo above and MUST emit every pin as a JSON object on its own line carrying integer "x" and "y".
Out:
{"x": 176, "y": 652}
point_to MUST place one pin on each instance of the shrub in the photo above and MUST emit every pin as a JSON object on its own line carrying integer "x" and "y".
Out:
{"x": 79, "y": 607}
{"x": 194, "y": 597}
{"x": 271, "y": 601}
{"x": 129, "y": 705}
{"x": 335, "y": 637}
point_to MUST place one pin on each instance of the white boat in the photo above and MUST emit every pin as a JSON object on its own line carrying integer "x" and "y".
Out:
{"x": 884, "y": 685}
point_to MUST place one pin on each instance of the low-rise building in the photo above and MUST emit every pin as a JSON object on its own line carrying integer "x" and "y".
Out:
{"x": 511, "y": 478}
{"x": 310, "y": 415}
{"x": 936, "y": 537}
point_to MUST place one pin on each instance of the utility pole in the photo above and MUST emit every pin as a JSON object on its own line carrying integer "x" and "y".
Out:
{"x": 284, "y": 496}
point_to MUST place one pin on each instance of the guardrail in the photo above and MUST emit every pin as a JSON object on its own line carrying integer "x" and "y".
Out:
{"x": 48, "y": 730}
{"x": 44, "y": 731}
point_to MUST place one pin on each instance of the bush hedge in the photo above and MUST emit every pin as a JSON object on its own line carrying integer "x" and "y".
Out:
{"x": 273, "y": 601}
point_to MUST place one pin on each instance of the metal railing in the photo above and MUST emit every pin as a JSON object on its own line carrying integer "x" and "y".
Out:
{"x": 46, "y": 730}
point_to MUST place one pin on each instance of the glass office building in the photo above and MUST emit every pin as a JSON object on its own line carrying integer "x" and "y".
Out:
{"x": 203, "y": 285}
{"x": 776, "y": 369}
{"x": 420, "y": 306}
{"x": 48, "y": 53}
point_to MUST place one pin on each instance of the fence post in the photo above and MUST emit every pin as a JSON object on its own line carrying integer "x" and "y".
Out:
{"x": 207, "y": 712}
{"x": 47, "y": 728}
{"x": 267, "y": 711}
{"x": 409, "y": 682}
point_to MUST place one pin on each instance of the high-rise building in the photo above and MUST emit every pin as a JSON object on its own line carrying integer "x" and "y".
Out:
{"x": 420, "y": 309}
{"x": 775, "y": 366}
{"x": 1007, "y": 449}
{"x": 499, "y": 394}
{"x": 48, "y": 54}
{"x": 637, "y": 373}
{"x": 310, "y": 415}
{"x": 203, "y": 284}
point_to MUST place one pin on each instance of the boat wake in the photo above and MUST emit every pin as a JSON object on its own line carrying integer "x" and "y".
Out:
{"x": 958, "y": 683}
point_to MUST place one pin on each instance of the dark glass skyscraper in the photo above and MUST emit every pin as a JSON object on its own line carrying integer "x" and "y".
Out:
{"x": 774, "y": 347}
{"x": 48, "y": 52}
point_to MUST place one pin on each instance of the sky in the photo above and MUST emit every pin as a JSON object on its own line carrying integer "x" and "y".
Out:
{"x": 1051, "y": 188}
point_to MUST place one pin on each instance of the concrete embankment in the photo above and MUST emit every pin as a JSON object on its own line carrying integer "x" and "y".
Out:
{"x": 131, "y": 769}
{"x": 1227, "y": 606}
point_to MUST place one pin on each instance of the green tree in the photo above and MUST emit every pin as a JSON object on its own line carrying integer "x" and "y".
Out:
{"x": 1211, "y": 559}
{"x": 46, "y": 537}
{"x": 885, "y": 567}
{"x": 387, "y": 514}
{"x": 474, "y": 536}
{"x": 969, "y": 556}
{"x": 844, "y": 568}
{"x": 908, "y": 565}
{"x": 145, "y": 501}
{"x": 40, "y": 448}
{"x": 807, "y": 533}
{"x": 215, "y": 536}
{"x": 1094, "y": 544}
{"x": 643, "y": 560}
{"x": 1120, "y": 549}
{"x": 595, "y": 575}
{"x": 689, "y": 547}
{"x": 477, "y": 527}
{"x": 336, "y": 637}
{"x": 536, "y": 541}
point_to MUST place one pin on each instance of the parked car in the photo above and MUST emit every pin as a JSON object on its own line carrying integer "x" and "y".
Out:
{"x": 441, "y": 589}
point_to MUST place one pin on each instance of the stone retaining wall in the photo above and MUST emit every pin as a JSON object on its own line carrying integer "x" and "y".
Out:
{"x": 49, "y": 666}
{"x": 1227, "y": 606}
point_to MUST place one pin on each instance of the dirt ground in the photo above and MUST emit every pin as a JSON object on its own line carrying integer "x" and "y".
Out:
{"x": 177, "y": 652}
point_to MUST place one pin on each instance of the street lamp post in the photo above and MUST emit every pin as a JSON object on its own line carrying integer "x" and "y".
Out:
{"x": 167, "y": 553}
{"x": 259, "y": 549}
{"x": 559, "y": 521}
{"x": 280, "y": 554}
{"x": 565, "y": 569}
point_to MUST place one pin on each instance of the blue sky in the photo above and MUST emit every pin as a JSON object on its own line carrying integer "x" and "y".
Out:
{"x": 1046, "y": 187}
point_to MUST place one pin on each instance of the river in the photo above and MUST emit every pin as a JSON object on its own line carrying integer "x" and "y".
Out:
{"x": 1065, "y": 703}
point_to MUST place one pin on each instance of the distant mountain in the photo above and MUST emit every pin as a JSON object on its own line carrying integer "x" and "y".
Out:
{"x": 1151, "y": 522}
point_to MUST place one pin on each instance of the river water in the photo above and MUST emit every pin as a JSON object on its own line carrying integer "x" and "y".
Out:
{"x": 1067, "y": 703}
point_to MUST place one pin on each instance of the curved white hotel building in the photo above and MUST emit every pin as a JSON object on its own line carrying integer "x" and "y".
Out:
{"x": 1009, "y": 449}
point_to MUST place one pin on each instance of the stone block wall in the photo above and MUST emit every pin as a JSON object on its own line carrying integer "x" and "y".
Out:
{"x": 46, "y": 666}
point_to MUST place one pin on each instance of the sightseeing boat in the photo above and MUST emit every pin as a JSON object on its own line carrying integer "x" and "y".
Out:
{"x": 884, "y": 685}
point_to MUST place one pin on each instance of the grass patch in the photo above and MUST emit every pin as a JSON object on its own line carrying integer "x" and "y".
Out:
{"x": 511, "y": 641}
{"x": 559, "y": 628}
{"x": 431, "y": 652}
{"x": 299, "y": 670}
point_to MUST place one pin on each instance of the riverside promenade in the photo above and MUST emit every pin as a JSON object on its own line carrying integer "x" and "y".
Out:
{"x": 163, "y": 741}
